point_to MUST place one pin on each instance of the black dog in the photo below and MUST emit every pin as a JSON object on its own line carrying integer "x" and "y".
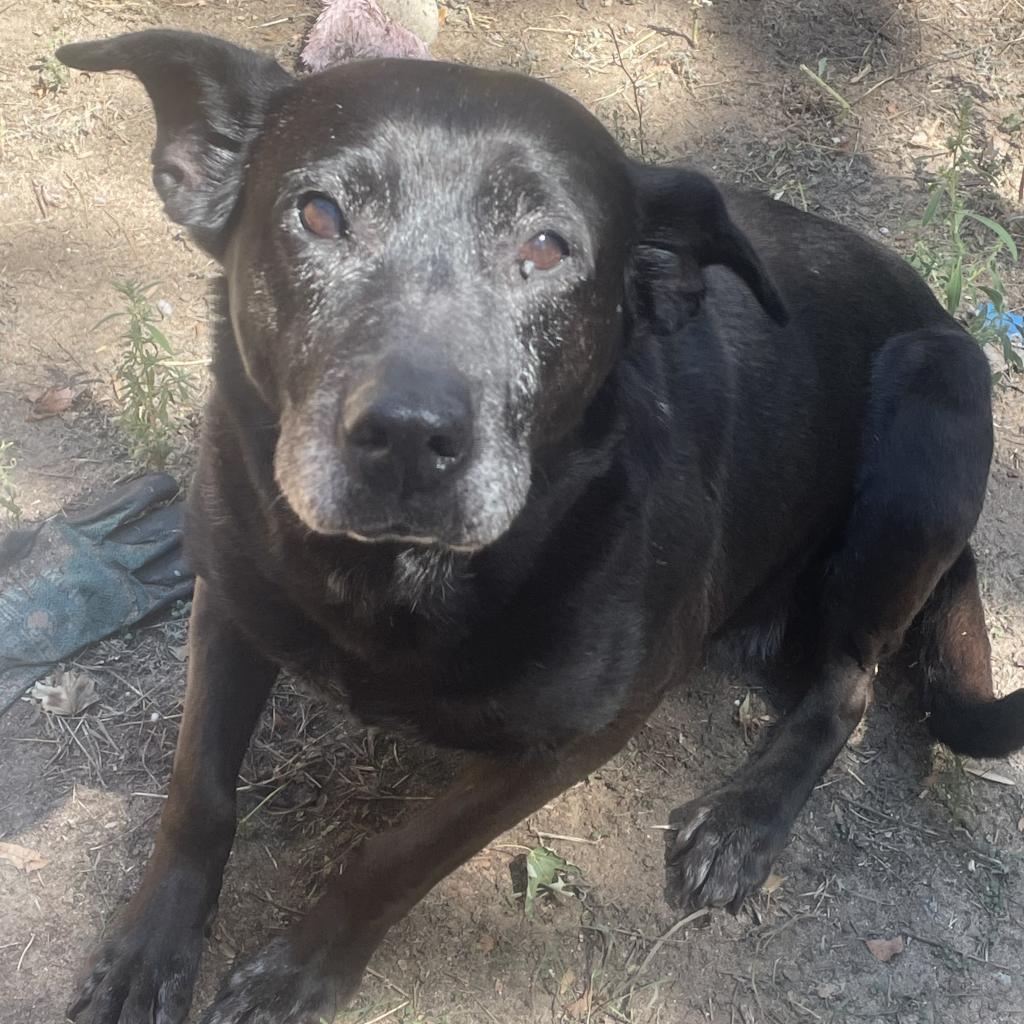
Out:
{"x": 506, "y": 430}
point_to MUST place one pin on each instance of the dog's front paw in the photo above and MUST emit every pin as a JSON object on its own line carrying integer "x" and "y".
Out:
{"x": 277, "y": 985}
{"x": 723, "y": 850}
{"x": 141, "y": 974}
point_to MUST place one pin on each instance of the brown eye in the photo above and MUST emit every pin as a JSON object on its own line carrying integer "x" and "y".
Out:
{"x": 542, "y": 252}
{"x": 321, "y": 216}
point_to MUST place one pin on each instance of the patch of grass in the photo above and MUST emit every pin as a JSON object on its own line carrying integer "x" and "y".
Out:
{"x": 8, "y": 492}
{"x": 153, "y": 390}
{"x": 959, "y": 251}
{"x": 52, "y": 77}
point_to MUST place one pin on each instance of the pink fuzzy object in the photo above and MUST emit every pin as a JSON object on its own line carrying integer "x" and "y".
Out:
{"x": 357, "y": 29}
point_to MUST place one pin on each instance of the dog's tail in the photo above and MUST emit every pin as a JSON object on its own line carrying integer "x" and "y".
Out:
{"x": 978, "y": 728}
{"x": 953, "y": 660}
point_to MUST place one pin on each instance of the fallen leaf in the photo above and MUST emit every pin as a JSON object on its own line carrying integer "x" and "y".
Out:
{"x": 885, "y": 949}
{"x": 1020, "y": 825}
{"x": 22, "y": 857}
{"x": 751, "y": 716}
{"x": 567, "y": 982}
{"x": 52, "y": 402}
{"x": 580, "y": 1008}
{"x": 772, "y": 882}
{"x": 989, "y": 776}
{"x": 65, "y": 693}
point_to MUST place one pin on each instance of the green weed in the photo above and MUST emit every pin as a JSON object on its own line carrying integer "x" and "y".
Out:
{"x": 547, "y": 872}
{"x": 959, "y": 251}
{"x": 52, "y": 77}
{"x": 153, "y": 390}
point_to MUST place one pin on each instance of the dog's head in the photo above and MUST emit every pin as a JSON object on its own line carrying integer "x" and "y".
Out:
{"x": 430, "y": 267}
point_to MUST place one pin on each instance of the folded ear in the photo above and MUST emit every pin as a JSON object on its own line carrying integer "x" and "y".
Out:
{"x": 684, "y": 227}
{"x": 210, "y": 98}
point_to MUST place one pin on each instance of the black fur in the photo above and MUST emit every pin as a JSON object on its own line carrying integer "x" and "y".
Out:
{"x": 715, "y": 413}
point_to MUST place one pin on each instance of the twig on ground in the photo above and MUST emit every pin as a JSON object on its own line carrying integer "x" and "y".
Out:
{"x": 637, "y": 104}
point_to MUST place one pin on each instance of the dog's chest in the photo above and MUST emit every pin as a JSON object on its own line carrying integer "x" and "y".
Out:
{"x": 454, "y": 671}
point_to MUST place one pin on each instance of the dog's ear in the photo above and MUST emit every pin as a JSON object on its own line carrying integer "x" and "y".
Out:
{"x": 684, "y": 227}
{"x": 210, "y": 98}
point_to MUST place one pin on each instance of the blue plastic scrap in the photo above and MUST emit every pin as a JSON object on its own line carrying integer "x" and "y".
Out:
{"x": 1009, "y": 324}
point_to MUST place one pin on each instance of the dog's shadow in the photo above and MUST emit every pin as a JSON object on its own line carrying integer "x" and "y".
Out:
{"x": 329, "y": 782}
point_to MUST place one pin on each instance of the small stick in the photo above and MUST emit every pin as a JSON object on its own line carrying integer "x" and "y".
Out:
{"x": 388, "y": 1013}
{"x": 636, "y": 92}
{"x": 824, "y": 86}
{"x": 912, "y": 69}
{"x": 387, "y": 981}
{"x": 566, "y": 839}
{"x": 25, "y": 950}
{"x": 662, "y": 939}
{"x": 666, "y": 31}
{"x": 636, "y": 42}
{"x": 552, "y": 31}
{"x": 270, "y": 796}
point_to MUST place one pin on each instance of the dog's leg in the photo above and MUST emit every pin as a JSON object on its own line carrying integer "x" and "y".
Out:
{"x": 144, "y": 970}
{"x": 304, "y": 975}
{"x": 727, "y": 840}
{"x": 927, "y": 446}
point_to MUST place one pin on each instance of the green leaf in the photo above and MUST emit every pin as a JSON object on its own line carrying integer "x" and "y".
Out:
{"x": 158, "y": 336}
{"x": 995, "y": 296}
{"x": 932, "y": 207}
{"x": 954, "y": 288}
{"x": 999, "y": 231}
{"x": 107, "y": 319}
{"x": 545, "y": 870}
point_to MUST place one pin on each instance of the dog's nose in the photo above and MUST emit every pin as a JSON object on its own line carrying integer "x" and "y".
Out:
{"x": 409, "y": 428}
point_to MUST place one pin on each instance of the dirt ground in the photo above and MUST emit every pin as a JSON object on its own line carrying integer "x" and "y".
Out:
{"x": 898, "y": 841}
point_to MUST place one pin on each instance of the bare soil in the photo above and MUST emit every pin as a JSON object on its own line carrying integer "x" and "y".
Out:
{"x": 900, "y": 841}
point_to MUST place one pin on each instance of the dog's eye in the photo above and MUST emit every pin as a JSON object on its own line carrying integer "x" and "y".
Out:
{"x": 321, "y": 215}
{"x": 542, "y": 252}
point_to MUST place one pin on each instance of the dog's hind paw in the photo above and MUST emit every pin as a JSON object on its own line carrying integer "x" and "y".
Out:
{"x": 278, "y": 986}
{"x": 722, "y": 850}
